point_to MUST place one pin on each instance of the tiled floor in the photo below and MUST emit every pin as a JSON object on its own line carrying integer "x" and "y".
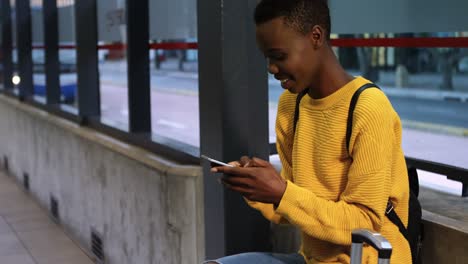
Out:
{"x": 28, "y": 235}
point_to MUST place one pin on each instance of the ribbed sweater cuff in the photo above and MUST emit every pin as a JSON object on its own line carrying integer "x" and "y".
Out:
{"x": 291, "y": 198}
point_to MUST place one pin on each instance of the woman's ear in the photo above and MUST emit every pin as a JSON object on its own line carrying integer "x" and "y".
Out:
{"x": 317, "y": 36}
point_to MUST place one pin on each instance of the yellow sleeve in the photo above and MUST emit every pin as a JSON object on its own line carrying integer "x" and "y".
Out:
{"x": 362, "y": 203}
{"x": 267, "y": 211}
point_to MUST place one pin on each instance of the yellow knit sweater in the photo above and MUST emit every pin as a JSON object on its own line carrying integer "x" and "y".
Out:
{"x": 329, "y": 193}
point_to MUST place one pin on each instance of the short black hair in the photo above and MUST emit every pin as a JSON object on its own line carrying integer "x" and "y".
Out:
{"x": 301, "y": 15}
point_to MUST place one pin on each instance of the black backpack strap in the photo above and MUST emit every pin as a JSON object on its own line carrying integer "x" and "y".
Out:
{"x": 352, "y": 105}
{"x": 413, "y": 180}
{"x": 296, "y": 110}
{"x": 391, "y": 214}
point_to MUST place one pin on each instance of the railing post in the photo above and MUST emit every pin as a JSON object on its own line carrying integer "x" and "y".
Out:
{"x": 23, "y": 43}
{"x": 6, "y": 48}
{"x": 87, "y": 59}
{"x": 139, "y": 92}
{"x": 52, "y": 64}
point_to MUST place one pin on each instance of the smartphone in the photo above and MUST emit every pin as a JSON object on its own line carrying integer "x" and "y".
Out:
{"x": 215, "y": 161}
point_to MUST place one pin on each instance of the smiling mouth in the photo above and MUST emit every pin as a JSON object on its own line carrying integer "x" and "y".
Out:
{"x": 284, "y": 81}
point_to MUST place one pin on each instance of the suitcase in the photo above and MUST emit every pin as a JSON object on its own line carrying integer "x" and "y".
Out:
{"x": 376, "y": 240}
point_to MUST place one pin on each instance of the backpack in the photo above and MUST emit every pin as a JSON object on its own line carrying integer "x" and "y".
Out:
{"x": 413, "y": 233}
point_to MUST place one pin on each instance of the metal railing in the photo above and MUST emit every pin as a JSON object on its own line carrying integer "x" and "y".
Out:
{"x": 451, "y": 172}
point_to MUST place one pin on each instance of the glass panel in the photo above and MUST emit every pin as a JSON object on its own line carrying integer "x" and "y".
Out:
{"x": 15, "y": 79}
{"x": 174, "y": 70}
{"x": 274, "y": 92}
{"x": 67, "y": 52}
{"x": 113, "y": 63}
{"x": 1, "y": 57}
{"x": 38, "y": 52}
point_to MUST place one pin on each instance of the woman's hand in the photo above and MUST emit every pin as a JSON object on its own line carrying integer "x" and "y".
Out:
{"x": 256, "y": 179}
{"x": 244, "y": 161}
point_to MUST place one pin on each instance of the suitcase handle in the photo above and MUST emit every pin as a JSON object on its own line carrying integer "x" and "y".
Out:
{"x": 376, "y": 240}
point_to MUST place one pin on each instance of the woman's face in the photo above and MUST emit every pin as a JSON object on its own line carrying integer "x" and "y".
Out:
{"x": 293, "y": 57}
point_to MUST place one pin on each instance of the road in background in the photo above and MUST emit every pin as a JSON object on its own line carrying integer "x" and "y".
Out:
{"x": 175, "y": 113}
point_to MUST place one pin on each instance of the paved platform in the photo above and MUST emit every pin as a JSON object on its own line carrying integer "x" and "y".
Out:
{"x": 28, "y": 235}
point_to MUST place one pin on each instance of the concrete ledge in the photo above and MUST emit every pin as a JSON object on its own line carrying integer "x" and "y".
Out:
{"x": 147, "y": 209}
{"x": 443, "y": 221}
{"x": 445, "y": 241}
{"x": 151, "y": 160}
